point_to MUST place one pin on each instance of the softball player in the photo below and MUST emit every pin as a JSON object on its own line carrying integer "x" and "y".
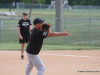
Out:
{"x": 23, "y": 31}
{"x": 35, "y": 44}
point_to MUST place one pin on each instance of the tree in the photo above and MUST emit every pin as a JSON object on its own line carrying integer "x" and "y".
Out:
{"x": 84, "y": 2}
{"x": 26, "y": 1}
{"x": 40, "y": 1}
{"x": 48, "y": 2}
{"x": 36, "y": 1}
{"x": 10, "y": 1}
{"x": 31, "y": 8}
{"x": 70, "y": 2}
{"x": 7, "y": 1}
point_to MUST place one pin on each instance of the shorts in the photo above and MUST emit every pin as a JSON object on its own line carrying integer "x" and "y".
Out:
{"x": 25, "y": 39}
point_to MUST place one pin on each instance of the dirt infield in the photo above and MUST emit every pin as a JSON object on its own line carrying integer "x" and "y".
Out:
{"x": 57, "y": 62}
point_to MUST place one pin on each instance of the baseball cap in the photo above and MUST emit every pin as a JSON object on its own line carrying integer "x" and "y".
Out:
{"x": 38, "y": 20}
{"x": 25, "y": 13}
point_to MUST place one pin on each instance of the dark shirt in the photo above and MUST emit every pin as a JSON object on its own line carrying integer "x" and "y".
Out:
{"x": 36, "y": 41}
{"x": 24, "y": 26}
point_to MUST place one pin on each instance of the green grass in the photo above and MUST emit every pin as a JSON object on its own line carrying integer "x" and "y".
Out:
{"x": 50, "y": 13}
{"x": 16, "y": 46}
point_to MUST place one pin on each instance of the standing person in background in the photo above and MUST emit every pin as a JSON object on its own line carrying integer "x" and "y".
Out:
{"x": 24, "y": 25}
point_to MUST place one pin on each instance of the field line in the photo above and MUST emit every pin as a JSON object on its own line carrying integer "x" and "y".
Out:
{"x": 55, "y": 54}
{"x": 69, "y": 55}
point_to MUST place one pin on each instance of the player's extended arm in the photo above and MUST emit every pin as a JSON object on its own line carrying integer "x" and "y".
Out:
{"x": 54, "y": 34}
{"x": 18, "y": 29}
{"x": 31, "y": 28}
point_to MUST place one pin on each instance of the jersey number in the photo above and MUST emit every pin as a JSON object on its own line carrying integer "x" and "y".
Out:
{"x": 44, "y": 33}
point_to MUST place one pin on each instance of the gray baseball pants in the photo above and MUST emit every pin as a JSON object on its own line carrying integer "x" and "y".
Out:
{"x": 34, "y": 60}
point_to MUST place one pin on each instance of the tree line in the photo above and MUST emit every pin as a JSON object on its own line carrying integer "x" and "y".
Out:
{"x": 70, "y": 2}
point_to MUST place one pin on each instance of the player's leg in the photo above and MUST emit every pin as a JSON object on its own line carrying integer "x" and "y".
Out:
{"x": 37, "y": 62}
{"x": 22, "y": 50}
{"x": 29, "y": 68}
{"x": 27, "y": 38}
{"x": 22, "y": 47}
{"x": 40, "y": 66}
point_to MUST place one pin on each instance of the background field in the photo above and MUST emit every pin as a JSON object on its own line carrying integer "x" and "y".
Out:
{"x": 16, "y": 46}
{"x": 50, "y": 13}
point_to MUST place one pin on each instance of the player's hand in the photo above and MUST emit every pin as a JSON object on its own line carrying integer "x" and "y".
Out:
{"x": 31, "y": 30}
{"x": 65, "y": 33}
{"x": 49, "y": 30}
{"x": 21, "y": 37}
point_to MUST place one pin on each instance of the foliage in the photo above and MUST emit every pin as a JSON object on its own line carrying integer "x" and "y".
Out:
{"x": 84, "y": 2}
{"x": 70, "y": 2}
{"x": 40, "y": 1}
{"x": 36, "y": 1}
{"x": 26, "y": 1}
{"x": 7, "y": 1}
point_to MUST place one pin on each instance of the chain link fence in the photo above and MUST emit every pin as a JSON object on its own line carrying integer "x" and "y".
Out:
{"x": 68, "y": 11}
{"x": 42, "y": 11}
{"x": 82, "y": 22}
{"x": 0, "y": 28}
{"x": 83, "y": 31}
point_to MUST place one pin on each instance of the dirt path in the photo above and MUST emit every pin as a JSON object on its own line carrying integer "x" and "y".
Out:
{"x": 57, "y": 62}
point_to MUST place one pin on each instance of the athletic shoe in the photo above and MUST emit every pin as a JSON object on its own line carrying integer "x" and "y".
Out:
{"x": 22, "y": 57}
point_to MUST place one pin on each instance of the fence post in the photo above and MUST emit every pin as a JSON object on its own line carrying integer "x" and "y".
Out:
{"x": 95, "y": 11}
{"x": 75, "y": 11}
{"x": 0, "y": 30}
{"x": 17, "y": 9}
{"x": 89, "y": 25}
{"x": 83, "y": 12}
{"x": 65, "y": 29}
{"x": 59, "y": 15}
{"x": 40, "y": 11}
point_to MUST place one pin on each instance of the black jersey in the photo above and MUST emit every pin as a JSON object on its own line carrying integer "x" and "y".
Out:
{"x": 36, "y": 41}
{"x": 24, "y": 26}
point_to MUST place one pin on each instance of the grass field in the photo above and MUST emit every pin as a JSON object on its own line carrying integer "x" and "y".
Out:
{"x": 50, "y": 13}
{"x": 17, "y": 46}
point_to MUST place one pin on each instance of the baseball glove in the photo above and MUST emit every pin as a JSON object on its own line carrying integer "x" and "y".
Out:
{"x": 45, "y": 26}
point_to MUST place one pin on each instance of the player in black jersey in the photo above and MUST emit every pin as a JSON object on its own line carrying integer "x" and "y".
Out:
{"x": 24, "y": 25}
{"x": 35, "y": 44}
